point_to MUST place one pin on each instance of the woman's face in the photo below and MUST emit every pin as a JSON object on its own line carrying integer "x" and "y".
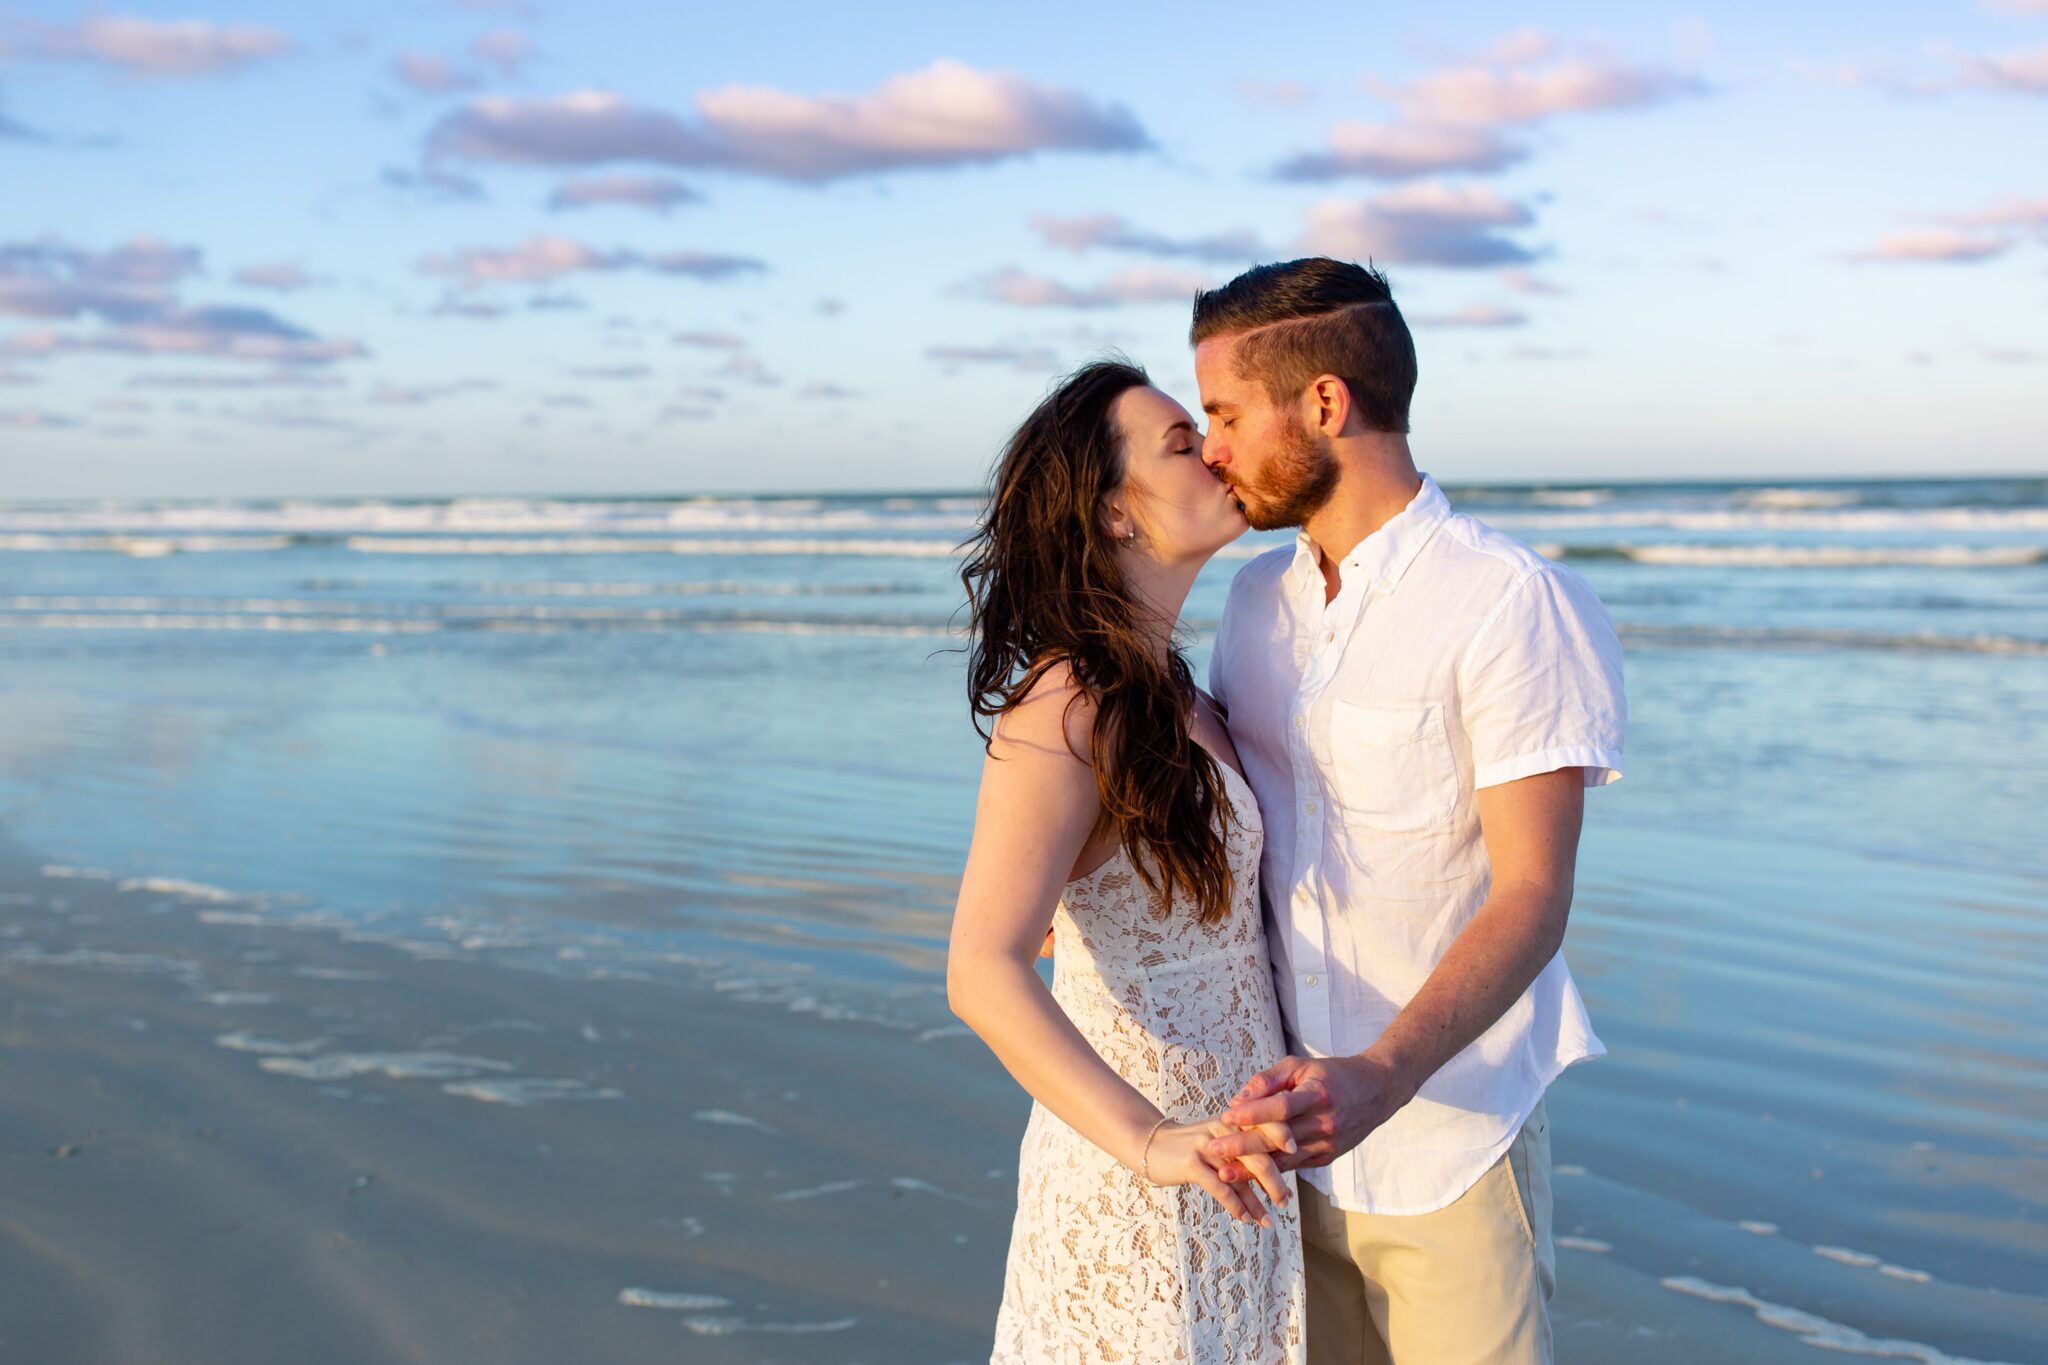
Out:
{"x": 1182, "y": 512}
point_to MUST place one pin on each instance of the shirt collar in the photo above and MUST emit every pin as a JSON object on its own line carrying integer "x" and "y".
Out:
{"x": 1384, "y": 556}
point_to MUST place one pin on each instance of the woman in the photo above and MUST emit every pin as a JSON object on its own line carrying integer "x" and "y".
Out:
{"x": 1112, "y": 810}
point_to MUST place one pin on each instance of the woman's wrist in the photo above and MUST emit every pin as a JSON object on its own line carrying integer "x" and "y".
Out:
{"x": 1138, "y": 1129}
{"x": 1145, "y": 1152}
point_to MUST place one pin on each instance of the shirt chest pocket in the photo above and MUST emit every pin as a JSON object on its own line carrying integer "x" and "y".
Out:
{"x": 1392, "y": 765}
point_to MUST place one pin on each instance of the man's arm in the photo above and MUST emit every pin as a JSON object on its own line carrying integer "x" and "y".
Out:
{"x": 1332, "y": 1104}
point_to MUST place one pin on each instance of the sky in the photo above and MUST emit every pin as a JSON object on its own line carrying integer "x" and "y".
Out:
{"x": 491, "y": 247}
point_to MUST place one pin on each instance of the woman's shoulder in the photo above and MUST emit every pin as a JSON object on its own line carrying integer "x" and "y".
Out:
{"x": 1054, "y": 711}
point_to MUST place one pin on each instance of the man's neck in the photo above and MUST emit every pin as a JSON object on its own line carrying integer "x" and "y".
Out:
{"x": 1376, "y": 483}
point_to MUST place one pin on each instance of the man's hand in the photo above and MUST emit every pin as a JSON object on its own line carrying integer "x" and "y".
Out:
{"x": 1330, "y": 1104}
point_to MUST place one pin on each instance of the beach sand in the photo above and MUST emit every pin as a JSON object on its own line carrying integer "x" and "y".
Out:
{"x": 239, "y": 1131}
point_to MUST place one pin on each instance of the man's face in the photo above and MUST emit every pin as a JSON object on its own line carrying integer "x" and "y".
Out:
{"x": 1280, "y": 471}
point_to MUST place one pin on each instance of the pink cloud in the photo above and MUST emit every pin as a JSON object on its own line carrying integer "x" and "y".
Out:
{"x": 35, "y": 419}
{"x": 541, "y": 259}
{"x": 149, "y": 47}
{"x": 2019, "y": 72}
{"x": 653, "y": 193}
{"x": 431, "y": 75}
{"x": 1136, "y": 285}
{"x": 1934, "y": 246}
{"x": 1401, "y": 152}
{"x": 1026, "y": 359}
{"x": 948, "y": 114}
{"x": 1107, "y": 230}
{"x": 282, "y": 276}
{"x": 1488, "y": 96}
{"x": 2013, "y": 212}
{"x": 505, "y": 49}
{"x": 1473, "y": 315}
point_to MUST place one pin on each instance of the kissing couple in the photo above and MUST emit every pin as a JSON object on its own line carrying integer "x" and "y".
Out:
{"x": 1308, "y": 990}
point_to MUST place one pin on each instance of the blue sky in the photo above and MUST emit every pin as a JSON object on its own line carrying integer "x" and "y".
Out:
{"x": 480, "y": 247}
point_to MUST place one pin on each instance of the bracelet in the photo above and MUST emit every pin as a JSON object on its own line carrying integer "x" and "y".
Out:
{"x": 1145, "y": 1157}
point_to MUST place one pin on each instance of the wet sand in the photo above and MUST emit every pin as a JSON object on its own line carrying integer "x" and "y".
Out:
{"x": 239, "y": 1130}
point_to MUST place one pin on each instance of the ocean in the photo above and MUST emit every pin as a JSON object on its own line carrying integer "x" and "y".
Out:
{"x": 719, "y": 747}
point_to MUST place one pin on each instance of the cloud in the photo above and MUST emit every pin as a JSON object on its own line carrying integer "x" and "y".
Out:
{"x": 1278, "y": 94}
{"x": 1939, "y": 245}
{"x": 48, "y": 279}
{"x": 2008, "y": 213}
{"x": 1522, "y": 282}
{"x": 702, "y": 393}
{"x": 415, "y": 395}
{"x": 1030, "y": 359}
{"x": 149, "y": 47}
{"x": 283, "y": 276}
{"x": 35, "y": 419}
{"x": 948, "y": 114}
{"x": 1402, "y": 152}
{"x": 431, "y": 75}
{"x": 1136, "y": 285}
{"x": 829, "y": 307}
{"x": 827, "y": 392}
{"x": 1482, "y": 95}
{"x": 710, "y": 341}
{"x": 1472, "y": 315}
{"x": 681, "y": 412}
{"x": 1424, "y": 224}
{"x": 1452, "y": 117}
{"x": 219, "y": 333}
{"x": 1109, "y": 231}
{"x": 543, "y": 259}
{"x": 475, "y": 310}
{"x": 750, "y": 369}
{"x": 273, "y": 379}
{"x": 2023, "y": 73}
{"x": 435, "y": 182}
{"x": 654, "y": 193}
{"x": 2011, "y": 355}
{"x": 504, "y": 49}
{"x": 612, "y": 371}
{"x": 17, "y": 379}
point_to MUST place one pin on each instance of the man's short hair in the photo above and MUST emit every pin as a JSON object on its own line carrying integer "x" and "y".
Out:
{"x": 1297, "y": 320}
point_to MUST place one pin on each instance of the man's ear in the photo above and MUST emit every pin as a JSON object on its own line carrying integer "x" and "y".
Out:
{"x": 1330, "y": 399}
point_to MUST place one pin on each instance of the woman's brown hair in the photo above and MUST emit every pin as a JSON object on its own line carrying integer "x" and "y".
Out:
{"x": 1044, "y": 588}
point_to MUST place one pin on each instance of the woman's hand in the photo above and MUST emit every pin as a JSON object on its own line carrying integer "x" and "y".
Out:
{"x": 1180, "y": 1156}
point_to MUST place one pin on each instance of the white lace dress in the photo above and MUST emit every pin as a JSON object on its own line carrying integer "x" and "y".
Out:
{"x": 1103, "y": 1266}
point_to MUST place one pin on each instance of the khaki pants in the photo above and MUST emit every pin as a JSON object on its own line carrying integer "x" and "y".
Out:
{"x": 1465, "y": 1285}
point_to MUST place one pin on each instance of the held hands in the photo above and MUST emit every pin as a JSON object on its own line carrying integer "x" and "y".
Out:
{"x": 1328, "y": 1104}
{"x": 1179, "y": 1156}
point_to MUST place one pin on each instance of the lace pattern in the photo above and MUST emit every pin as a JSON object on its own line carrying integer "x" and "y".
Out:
{"x": 1104, "y": 1267}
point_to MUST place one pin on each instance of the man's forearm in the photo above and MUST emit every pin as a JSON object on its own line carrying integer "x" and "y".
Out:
{"x": 1487, "y": 968}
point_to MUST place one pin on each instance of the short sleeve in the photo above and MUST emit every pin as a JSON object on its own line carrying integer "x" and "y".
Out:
{"x": 1540, "y": 686}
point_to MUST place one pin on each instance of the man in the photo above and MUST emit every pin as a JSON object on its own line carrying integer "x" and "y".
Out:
{"x": 1420, "y": 703}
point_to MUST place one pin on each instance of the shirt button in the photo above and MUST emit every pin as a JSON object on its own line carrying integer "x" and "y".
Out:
{"x": 1309, "y": 806}
{"x": 1300, "y": 721}
{"x": 1311, "y": 981}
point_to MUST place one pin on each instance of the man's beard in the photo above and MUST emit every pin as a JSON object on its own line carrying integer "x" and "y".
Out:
{"x": 1296, "y": 483}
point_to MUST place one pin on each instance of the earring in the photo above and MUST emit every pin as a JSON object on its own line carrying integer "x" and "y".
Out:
{"x": 1131, "y": 536}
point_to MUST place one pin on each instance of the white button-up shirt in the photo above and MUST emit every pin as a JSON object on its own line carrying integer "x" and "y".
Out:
{"x": 1452, "y": 658}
